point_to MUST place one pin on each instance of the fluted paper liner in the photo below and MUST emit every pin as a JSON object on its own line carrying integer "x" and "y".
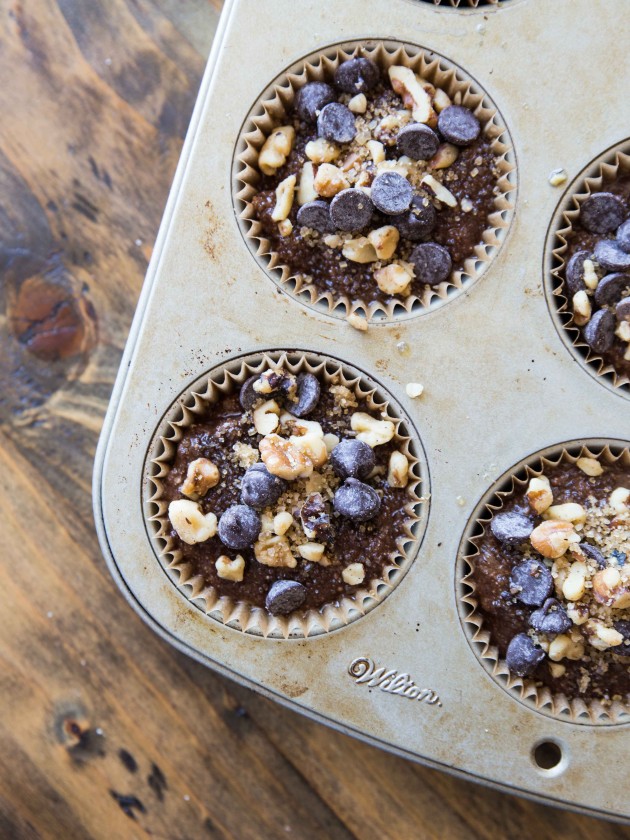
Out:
{"x": 601, "y": 172}
{"x": 237, "y": 614}
{"x": 469, "y": 3}
{"x": 271, "y": 111}
{"x": 541, "y": 698}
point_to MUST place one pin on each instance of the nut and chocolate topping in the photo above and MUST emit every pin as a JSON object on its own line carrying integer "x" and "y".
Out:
{"x": 289, "y": 493}
{"x": 597, "y": 273}
{"x": 368, "y": 164}
{"x": 552, "y": 580}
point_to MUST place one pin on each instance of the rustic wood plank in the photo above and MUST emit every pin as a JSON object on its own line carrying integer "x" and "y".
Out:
{"x": 107, "y": 731}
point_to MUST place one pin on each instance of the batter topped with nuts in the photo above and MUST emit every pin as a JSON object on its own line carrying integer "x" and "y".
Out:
{"x": 290, "y": 494}
{"x": 597, "y": 274}
{"x": 377, "y": 186}
{"x": 553, "y": 580}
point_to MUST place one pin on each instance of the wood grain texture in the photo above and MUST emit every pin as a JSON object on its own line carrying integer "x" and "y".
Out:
{"x": 106, "y": 731}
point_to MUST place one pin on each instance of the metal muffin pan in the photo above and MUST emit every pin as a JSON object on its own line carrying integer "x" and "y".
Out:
{"x": 499, "y": 386}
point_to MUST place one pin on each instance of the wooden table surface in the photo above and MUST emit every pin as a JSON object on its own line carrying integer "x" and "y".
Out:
{"x": 106, "y": 731}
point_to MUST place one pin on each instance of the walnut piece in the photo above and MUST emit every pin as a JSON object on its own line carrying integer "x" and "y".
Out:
{"x": 359, "y": 250}
{"x": 272, "y": 550}
{"x": 321, "y": 151}
{"x": 276, "y": 149}
{"x": 539, "y": 494}
{"x": 306, "y": 190}
{"x": 353, "y": 574}
{"x": 329, "y": 180}
{"x": 284, "y": 459}
{"x": 370, "y": 430}
{"x": 384, "y": 239}
{"x": 414, "y": 94}
{"x": 553, "y": 538}
{"x": 201, "y": 476}
{"x": 398, "y": 471}
{"x": 589, "y": 466}
{"x": 230, "y": 569}
{"x": 393, "y": 279}
{"x": 445, "y": 156}
{"x": 191, "y": 525}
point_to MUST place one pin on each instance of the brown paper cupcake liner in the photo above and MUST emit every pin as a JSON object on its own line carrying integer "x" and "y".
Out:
{"x": 602, "y": 171}
{"x": 541, "y": 699}
{"x": 271, "y": 111}
{"x": 240, "y": 615}
{"x": 472, "y": 4}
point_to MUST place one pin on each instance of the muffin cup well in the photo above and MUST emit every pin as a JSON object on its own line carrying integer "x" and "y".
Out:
{"x": 540, "y": 698}
{"x": 237, "y": 614}
{"x": 602, "y": 172}
{"x": 272, "y": 110}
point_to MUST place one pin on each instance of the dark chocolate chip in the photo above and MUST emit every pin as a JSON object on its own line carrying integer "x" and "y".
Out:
{"x": 432, "y": 263}
{"x": 622, "y": 626}
{"x": 599, "y": 333}
{"x": 523, "y": 656}
{"x": 575, "y": 271}
{"x": 418, "y": 222}
{"x": 316, "y": 215}
{"x": 611, "y": 288}
{"x": 312, "y": 98}
{"x": 623, "y": 236}
{"x": 602, "y": 212}
{"x": 356, "y": 500}
{"x": 511, "y": 527}
{"x": 285, "y": 596}
{"x": 417, "y": 141}
{"x": 391, "y": 193}
{"x": 308, "y": 390}
{"x": 239, "y": 527}
{"x": 534, "y": 582}
{"x": 247, "y": 396}
{"x": 622, "y": 310}
{"x": 358, "y": 75}
{"x": 315, "y": 516}
{"x": 551, "y": 618}
{"x": 351, "y": 210}
{"x": 336, "y": 122}
{"x": 459, "y": 125}
{"x": 260, "y": 488}
{"x": 610, "y": 256}
{"x": 593, "y": 553}
{"x": 352, "y": 458}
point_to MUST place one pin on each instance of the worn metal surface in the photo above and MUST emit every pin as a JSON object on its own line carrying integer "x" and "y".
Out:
{"x": 499, "y": 384}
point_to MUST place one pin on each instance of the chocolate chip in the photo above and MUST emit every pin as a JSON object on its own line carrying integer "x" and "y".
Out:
{"x": 260, "y": 488}
{"x": 391, "y": 193}
{"x": 351, "y": 210}
{"x": 336, "y": 122}
{"x": 239, "y": 527}
{"x": 622, "y": 626}
{"x": 356, "y": 500}
{"x": 316, "y": 215}
{"x": 611, "y": 288}
{"x": 523, "y": 656}
{"x": 312, "y": 98}
{"x": 511, "y": 527}
{"x": 308, "y": 389}
{"x": 622, "y": 310}
{"x": 610, "y": 256}
{"x": 432, "y": 263}
{"x": 551, "y": 618}
{"x": 575, "y": 271}
{"x": 358, "y": 75}
{"x": 247, "y": 396}
{"x": 315, "y": 518}
{"x": 623, "y": 236}
{"x": 593, "y": 553}
{"x": 599, "y": 333}
{"x": 534, "y": 582}
{"x": 352, "y": 458}
{"x": 418, "y": 223}
{"x": 417, "y": 141}
{"x": 285, "y": 596}
{"x": 459, "y": 125}
{"x": 602, "y": 212}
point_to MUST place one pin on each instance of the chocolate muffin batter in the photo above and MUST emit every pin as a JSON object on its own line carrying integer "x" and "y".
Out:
{"x": 388, "y": 141}
{"x": 602, "y": 235}
{"x": 569, "y": 633}
{"x": 357, "y": 521}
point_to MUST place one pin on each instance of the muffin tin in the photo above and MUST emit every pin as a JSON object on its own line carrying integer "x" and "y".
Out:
{"x": 500, "y": 386}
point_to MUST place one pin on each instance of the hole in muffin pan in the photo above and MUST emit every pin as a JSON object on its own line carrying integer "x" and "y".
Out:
{"x": 537, "y": 697}
{"x": 595, "y": 177}
{"x": 270, "y": 111}
{"x": 226, "y": 379}
{"x": 548, "y": 757}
